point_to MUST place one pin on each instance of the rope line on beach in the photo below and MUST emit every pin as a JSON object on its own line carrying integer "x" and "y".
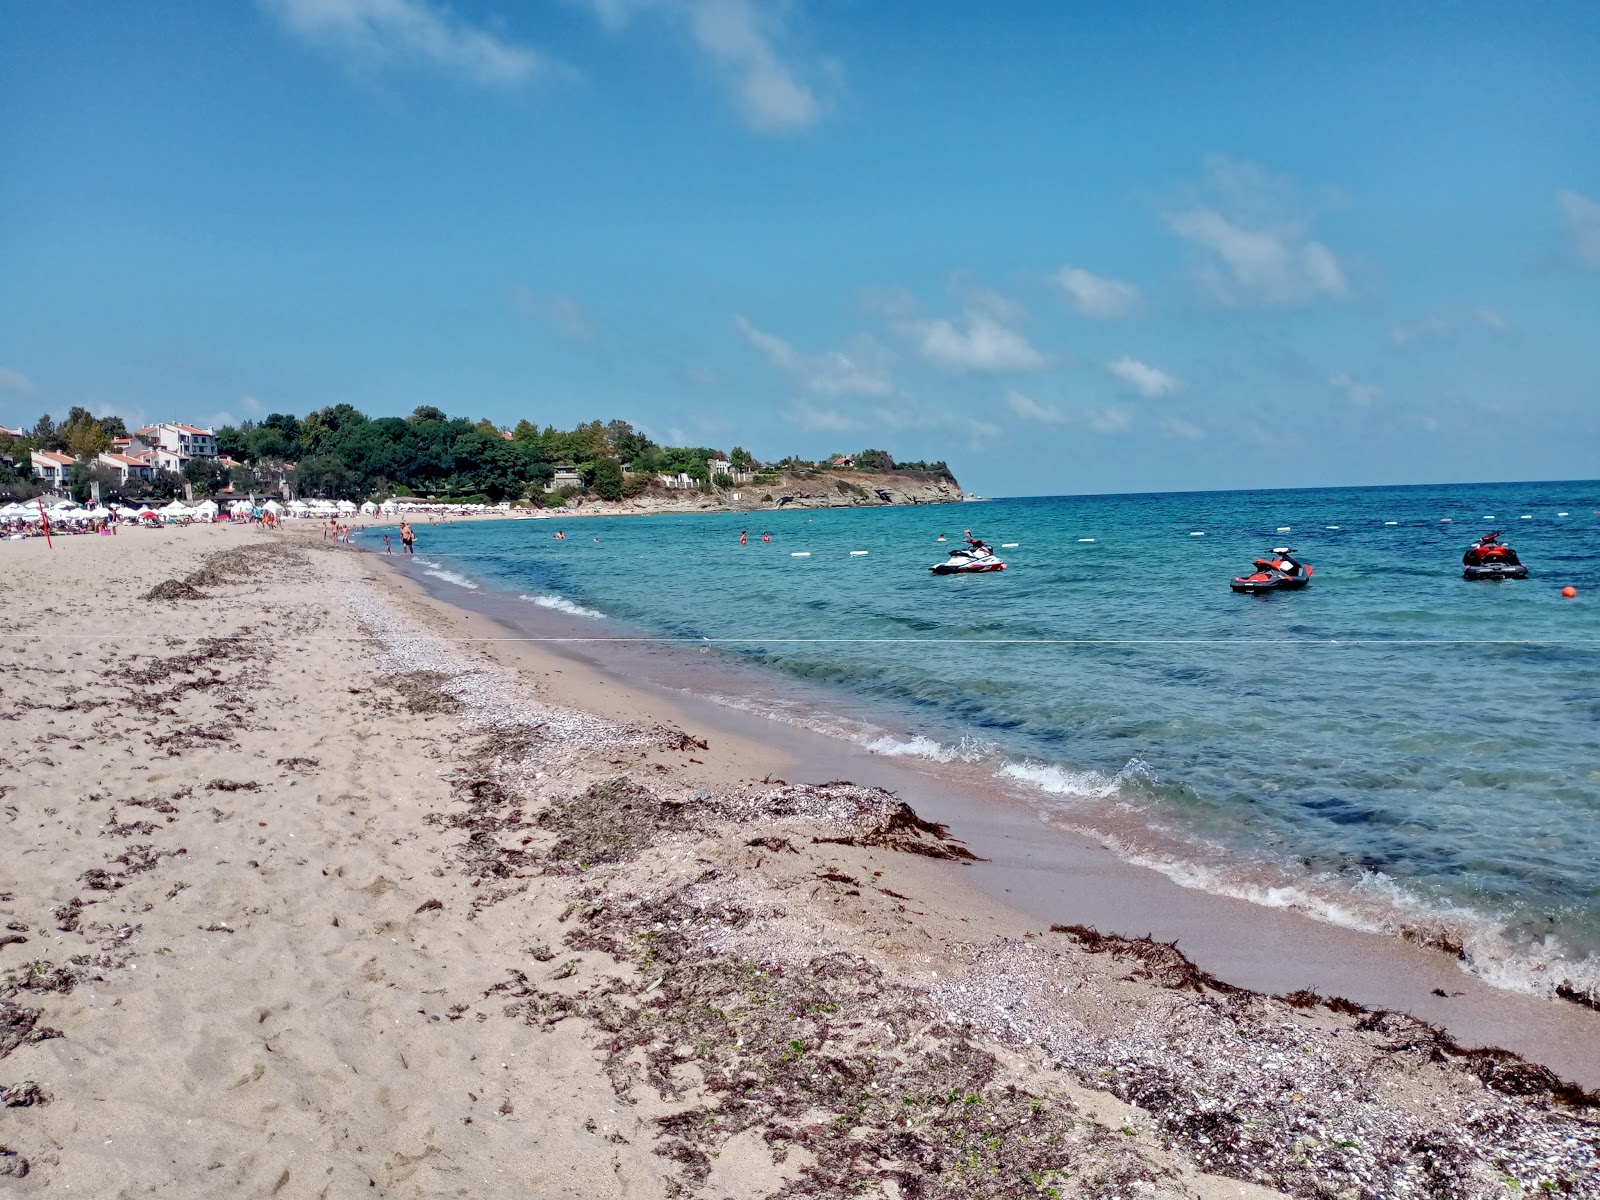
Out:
{"x": 771, "y": 641}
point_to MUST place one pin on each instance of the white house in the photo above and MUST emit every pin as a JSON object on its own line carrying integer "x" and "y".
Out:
{"x": 6, "y": 432}
{"x": 184, "y": 441}
{"x": 51, "y": 467}
{"x": 126, "y": 466}
{"x": 566, "y": 475}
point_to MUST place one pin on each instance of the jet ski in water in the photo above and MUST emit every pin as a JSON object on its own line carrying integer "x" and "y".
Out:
{"x": 1279, "y": 573}
{"x": 970, "y": 559}
{"x": 1488, "y": 559}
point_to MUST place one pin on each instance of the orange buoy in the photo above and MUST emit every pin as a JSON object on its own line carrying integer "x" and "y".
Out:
{"x": 1569, "y": 591}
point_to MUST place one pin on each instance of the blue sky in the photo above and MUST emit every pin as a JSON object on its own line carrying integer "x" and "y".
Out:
{"x": 1069, "y": 248}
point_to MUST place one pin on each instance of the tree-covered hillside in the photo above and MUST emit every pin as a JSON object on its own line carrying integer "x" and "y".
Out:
{"x": 339, "y": 452}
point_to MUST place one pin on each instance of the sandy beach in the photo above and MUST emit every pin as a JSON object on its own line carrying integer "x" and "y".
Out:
{"x": 311, "y": 887}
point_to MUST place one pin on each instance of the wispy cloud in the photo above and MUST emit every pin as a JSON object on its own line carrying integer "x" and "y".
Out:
{"x": 1148, "y": 381}
{"x": 821, "y": 419}
{"x": 1094, "y": 295}
{"x": 1187, "y": 431}
{"x": 1252, "y": 231}
{"x": 863, "y": 371}
{"x": 1583, "y": 223}
{"x": 1363, "y": 395}
{"x": 973, "y": 342}
{"x": 1109, "y": 420}
{"x": 373, "y": 33}
{"x": 15, "y": 381}
{"x": 558, "y": 312}
{"x": 1494, "y": 322}
{"x": 1030, "y": 409}
{"x": 741, "y": 39}
{"x": 1419, "y": 333}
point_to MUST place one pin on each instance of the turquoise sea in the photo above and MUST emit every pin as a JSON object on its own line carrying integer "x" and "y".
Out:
{"x": 1391, "y": 745}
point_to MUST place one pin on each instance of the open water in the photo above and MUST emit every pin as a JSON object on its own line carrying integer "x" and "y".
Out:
{"x": 1390, "y": 747}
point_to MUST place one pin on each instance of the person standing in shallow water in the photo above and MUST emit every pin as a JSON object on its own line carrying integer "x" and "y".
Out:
{"x": 388, "y": 547}
{"x": 408, "y": 538}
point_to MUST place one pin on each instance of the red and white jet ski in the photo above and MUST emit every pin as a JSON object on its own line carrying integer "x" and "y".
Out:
{"x": 1279, "y": 573}
{"x": 971, "y": 559}
{"x": 1488, "y": 559}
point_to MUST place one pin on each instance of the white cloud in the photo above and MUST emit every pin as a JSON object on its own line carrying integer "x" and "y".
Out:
{"x": 1109, "y": 420}
{"x": 15, "y": 381}
{"x": 1177, "y": 427}
{"x": 1429, "y": 329}
{"x": 1363, "y": 395}
{"x": 558, "y": 312}
{"x": 821, "y": 419}
{"x": 973, "y": 342}
{"x": 1583, "y": 221}
{"x": 380, "y": 32}
{"x": 1148, "y": 381}
{"x": 1493, "y": 321}
{"x": 740, "y": 38}
{"x": 861, "y": 372}
{"x": 1252, "y": 229}
{"x": 1030, "y": 409}
{"x": 983, "y": 429}
{"x": 1096, "y": 295}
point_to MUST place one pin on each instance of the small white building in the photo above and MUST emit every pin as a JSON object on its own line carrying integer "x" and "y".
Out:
{"x": 184, "y": 441}
{"x": 126, "y": 466}
{"x": 51, "y": 467}
{"x": 566, "y": 475}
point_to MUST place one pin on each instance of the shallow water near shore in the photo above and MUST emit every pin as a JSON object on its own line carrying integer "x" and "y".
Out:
{"x": 1392, "y": 748}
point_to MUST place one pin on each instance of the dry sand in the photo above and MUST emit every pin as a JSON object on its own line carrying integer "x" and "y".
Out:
{"x": 305, "y": 894}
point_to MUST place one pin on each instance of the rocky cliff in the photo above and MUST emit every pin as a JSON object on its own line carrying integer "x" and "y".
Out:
{"x": 795, "y": 489}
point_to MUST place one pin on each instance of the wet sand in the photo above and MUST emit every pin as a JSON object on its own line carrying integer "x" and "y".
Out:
{"x": 308, "y": 892}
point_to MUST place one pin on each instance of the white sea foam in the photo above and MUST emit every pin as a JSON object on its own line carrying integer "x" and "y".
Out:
{"x": 440, "y": 571}
{"x": 1057, "y": 780}
{"x": 562, "y": 604}
{"x": 966, "y": 750}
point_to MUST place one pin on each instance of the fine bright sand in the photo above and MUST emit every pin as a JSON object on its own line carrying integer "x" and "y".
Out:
{"x": 306, "y": 890}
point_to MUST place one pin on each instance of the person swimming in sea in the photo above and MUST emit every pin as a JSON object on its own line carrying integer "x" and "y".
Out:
{"x": 744, "y": 538}
{"x": 559, "y": 536}
{"x": 765, "y": 536}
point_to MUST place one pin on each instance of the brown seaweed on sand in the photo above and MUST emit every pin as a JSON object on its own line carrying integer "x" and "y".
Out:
{"x": 908, "y": 833}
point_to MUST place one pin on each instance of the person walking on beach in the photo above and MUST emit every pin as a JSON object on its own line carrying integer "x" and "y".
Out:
{"x": 408, "y": 539}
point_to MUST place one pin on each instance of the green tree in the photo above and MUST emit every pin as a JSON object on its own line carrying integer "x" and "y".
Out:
{"x": 606, "y": 479}
{"x": 325, "y": 476}
{"x": 206, "y": 475}
{"x": 424, "y": 413}
{"x": 740, "y": 459}
{"x": 875, "y": 460}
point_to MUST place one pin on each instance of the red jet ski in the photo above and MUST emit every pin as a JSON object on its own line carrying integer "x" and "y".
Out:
{"x": 1280, "y": 573}
{"x": 1488, "y": 559}
{"x": 970, "y": 559}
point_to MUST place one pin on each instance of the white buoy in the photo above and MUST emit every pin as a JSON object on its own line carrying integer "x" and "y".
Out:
{"x": 1526, "y": 517}
{"x": 1391, "y": 522}
{"x": 1009, "y": 545}
{"x": 1488, "y": 516}
{"x": 1283, "y": 529}
{"x": 1199, "y": 534}
{"x": 854, "y": 553}
{"x": 799, "y": 554}
{"x": 1086, "y": 539}
{"x": 1561, "y": 514}
{"x": 1330, "y": 527}
{"x": 1445, "y": 520}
